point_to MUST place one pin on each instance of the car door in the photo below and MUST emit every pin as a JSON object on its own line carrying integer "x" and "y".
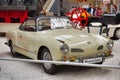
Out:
{"x": 25, "y": 38}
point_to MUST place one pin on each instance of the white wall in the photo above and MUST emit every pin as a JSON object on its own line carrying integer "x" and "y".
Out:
{"x": 5, "y": 27}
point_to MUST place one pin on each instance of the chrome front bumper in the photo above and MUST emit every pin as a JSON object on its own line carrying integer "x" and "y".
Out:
{"x": 90, "y": 60}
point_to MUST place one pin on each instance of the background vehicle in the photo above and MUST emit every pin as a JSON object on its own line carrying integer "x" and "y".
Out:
{"x": 108, "y": 23}
{"x": 113, "y": 21}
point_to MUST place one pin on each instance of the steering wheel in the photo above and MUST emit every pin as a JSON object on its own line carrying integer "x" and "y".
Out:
{"x": 79, "y": 16}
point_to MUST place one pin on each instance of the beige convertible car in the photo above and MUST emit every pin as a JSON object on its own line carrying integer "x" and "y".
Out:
{"x": 56, "y": 39}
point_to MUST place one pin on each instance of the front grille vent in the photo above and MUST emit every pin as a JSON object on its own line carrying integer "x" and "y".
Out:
{"x": 77, "y": 50}
{"x": 100, "y": 47}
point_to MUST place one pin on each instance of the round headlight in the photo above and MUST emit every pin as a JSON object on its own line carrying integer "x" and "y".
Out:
{"x": 110, "y": 44}
{"x": 64, "y": 48}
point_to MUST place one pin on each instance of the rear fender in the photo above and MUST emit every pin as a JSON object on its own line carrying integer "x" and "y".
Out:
{"x": 12, "y": 36}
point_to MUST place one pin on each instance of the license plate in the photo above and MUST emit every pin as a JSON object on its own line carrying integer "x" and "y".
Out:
{"x": 93, "y": 60}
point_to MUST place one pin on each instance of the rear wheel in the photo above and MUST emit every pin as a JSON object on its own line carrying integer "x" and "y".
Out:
{"x": 13, "y": 52}
{"x": 48, "y": 67}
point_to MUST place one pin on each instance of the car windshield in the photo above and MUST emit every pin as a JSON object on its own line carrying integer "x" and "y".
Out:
{"x": 54, "y": 23}
{"x": 57, "y": 23}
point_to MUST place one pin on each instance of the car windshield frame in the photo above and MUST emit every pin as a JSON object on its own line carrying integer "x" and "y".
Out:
{"x": 55, "y": 23}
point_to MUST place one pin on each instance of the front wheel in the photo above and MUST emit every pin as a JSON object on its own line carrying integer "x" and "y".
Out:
{"x": 48, "y": 67}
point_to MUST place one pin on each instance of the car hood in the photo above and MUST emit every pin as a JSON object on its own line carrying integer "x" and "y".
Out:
{"x": 72, "y": 36}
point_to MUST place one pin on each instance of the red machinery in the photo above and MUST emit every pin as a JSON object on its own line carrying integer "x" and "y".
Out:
{"x": 79, "y": 16}
{"x": 8, "y": 15}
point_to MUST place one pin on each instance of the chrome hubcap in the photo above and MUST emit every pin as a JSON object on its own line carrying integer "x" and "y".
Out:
{"x": 47, "y": 56}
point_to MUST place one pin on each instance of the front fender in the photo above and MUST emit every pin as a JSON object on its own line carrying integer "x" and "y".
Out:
{"x": 53, "y": 46}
